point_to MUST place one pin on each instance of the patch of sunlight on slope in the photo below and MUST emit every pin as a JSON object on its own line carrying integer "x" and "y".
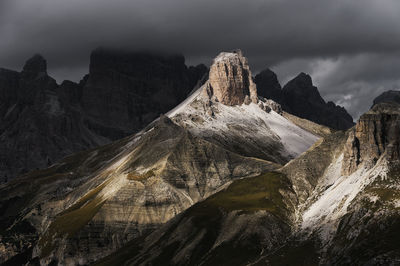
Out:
{"x": 70, "y": 221}
{"x": 250, "y": 117}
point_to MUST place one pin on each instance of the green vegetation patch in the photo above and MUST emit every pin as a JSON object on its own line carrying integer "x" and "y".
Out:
{"x": 72, "y": 220}
{"x": 385, "y": 194}
{"x": 254, "y": 194}
{"x": 386, "y": 188}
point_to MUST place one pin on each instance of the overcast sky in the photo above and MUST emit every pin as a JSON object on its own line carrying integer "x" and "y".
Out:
{"x": 351, "y": 48}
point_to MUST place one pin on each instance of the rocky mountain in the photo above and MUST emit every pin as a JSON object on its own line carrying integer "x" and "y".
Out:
{"x": 95, "y": 202}
{"x": 388, "y": 97}
{"x": 301, "y": 98}
{"x": 41, "y": 122}
{"x": 246, "y": 125}
{"x": 268, "y": 85}
{"x": 336, "y": 204}
{"x": 224, "y": 178}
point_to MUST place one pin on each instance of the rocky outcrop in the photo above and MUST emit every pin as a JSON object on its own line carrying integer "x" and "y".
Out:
{"x": 94, "y": 202}
{"x": 126, "y": 91}
{"x": 390, "y": 96}
{"x": 230, "y": 79}
{"x": 268, "y": 85}
{"x": 301, "y": 98}
{"x": 42, "y": 122}
{"x": 375, "y": 133}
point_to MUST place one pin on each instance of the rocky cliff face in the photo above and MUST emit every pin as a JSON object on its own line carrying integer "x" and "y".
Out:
{"x": 126, "y": 91}
{"x": 323, "y": 214}
{"x": 226, "y": 111}
{"x": 375, "y": 133}
{"x": 230, "y": 79}
{"x": 268, "y": 85}
{"x": 92, "y": 203}
{"x": 301, "y": 98}
{"x": 42, "y": 122}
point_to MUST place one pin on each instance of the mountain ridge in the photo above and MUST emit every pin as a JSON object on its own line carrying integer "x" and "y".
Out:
{"x": 301, "y": 98}
{"x": 339, "y": 217}
{"x": 124, "y": 190}
{"x": 217, "y": 180}
{"x": 41, "y": 122}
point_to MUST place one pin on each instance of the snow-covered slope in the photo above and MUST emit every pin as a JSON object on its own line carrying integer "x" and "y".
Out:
{"x": 247, "y": 128}
{"x": 338, "y": 192}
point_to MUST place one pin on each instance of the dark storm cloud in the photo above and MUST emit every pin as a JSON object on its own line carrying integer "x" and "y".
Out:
{"x": 350, "y": 47}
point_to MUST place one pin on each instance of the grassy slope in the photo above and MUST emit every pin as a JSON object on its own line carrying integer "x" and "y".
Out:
{"x": 246, "y": 196}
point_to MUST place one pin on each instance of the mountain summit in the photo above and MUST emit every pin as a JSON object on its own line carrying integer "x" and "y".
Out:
{"x": 92, "y": 203}
{"x": 301, "y": 98}
{"x": 226, "y": 111}
{"x": 230, "y": 79}
{"x": 36, "y": 64}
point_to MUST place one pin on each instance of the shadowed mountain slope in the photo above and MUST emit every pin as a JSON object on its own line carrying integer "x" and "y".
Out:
{"x": 301, "y": 98}
{"x": 41, "y": 122}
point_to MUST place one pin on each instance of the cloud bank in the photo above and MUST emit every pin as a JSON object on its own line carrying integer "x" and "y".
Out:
{"x": 351, "y": 48}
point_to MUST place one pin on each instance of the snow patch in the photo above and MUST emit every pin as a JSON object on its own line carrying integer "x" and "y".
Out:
{"x": 224, "y": 56}
{"x": 335, "y": 200}
{"x": 248, "y": 121}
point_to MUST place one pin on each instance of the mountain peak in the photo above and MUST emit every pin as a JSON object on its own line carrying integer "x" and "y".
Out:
{"x": 302, "y": 81}
{"x": 230, "y": 79}
{"x": 268, "y": 85}
{"x": 36, "y": 64}
{"x": 390, "y": 96}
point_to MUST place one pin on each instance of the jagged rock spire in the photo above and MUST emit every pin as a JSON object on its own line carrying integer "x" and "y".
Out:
{"x": 230, "y": 79}
{"x": 36, "y": 64}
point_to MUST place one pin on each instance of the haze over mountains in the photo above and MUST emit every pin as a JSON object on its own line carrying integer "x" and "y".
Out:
{"x": 227, "y": 177}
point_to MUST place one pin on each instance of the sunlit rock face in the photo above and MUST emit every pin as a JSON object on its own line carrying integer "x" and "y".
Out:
{"x": 376, "y": 131}
{"x": 94, "y": 202}
{"x": 230, "y": 79}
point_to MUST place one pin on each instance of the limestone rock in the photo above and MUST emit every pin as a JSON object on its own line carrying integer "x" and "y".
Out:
{"x": 268, "y": 85}
{"x": 125, "y": 91}
{"x": 247, "y": 100}
{"x": 41, "y": 122}
{"x": 376, "y": 131}
{"x": 231, "y": 80}
{"x": 274, "y": 106}
{"x": 301, "y": 98}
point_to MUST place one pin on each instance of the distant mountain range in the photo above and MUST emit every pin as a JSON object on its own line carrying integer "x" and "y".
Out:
{"x": 226, "y": 177}
{"x": 301, "y": 98}
{"x": 41, "y": 122}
